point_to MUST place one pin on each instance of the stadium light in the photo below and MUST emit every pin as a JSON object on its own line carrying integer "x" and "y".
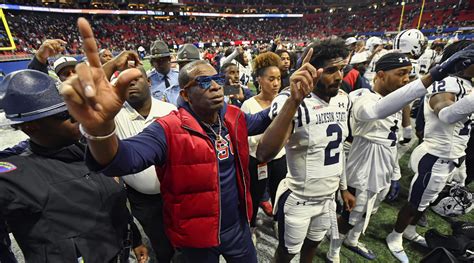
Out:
{"x": 349, "y": 9}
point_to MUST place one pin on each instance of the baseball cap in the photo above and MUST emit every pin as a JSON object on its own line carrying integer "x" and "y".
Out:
{"x": 63, "y": 62}
{"x": 350, "y": 41}
{"x": 358, "y": 58}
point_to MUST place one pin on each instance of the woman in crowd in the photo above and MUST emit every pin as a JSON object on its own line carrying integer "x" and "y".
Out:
{"x": 266, "y": 68}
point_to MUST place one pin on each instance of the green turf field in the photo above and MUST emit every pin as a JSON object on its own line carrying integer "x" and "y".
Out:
{"x": 381, "y": 224}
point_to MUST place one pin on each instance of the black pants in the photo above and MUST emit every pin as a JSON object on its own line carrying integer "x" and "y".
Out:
{"x": 276, "y": 172}
{"x": 148, "y": 210}
{"x": 6, "y": 255}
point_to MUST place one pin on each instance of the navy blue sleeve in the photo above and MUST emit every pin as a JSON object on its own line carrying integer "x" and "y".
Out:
{"x": 35, "y": 64}
{"x": 258, "y": 123}
{"x": 420, "y": 116}
{"x": 247, "y": 94}
{"x": 14, "y": 150}
{"x": 135, "y": 153}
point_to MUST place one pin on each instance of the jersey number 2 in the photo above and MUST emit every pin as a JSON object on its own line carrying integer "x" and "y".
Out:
{"x": 328, "y": 159}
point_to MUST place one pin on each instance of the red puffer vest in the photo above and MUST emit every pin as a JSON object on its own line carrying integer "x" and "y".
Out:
{"x": 190, "y": 178}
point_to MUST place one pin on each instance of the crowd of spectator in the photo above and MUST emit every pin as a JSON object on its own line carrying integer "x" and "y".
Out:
{"x": 29, "y": 29}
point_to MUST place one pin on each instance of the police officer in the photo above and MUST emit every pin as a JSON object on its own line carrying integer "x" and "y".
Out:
{"x": 187, "y": 53}
{"x": 56, "y": 208}
{"x": 161, "y": 76}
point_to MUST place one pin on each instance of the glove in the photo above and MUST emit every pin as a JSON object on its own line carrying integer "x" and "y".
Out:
{"x": 394, "y": 191}
{"x": 457, "y": 62}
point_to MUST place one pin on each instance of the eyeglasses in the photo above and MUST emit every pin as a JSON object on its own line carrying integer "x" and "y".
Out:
{"x": 205, "y": 82}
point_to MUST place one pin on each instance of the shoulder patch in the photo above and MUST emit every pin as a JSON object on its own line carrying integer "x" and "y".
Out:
{"x": 6, "y": 167}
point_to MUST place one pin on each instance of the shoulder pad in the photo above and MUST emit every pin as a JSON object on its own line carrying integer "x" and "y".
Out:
{"x": 285, "y": 92}
{"x": 358, "y": 93}
{"x": 341, "y": 93}
{"x": 450, "y": 84}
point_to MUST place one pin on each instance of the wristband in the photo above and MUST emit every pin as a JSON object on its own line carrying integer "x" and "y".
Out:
{"x": 96, "y": 138}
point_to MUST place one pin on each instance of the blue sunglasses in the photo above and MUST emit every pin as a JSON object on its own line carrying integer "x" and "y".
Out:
{"x": 204, "y": 82}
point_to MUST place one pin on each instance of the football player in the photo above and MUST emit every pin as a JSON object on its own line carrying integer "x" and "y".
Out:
{"x": 314, "y": 132}
{"x": 447, "y": 110}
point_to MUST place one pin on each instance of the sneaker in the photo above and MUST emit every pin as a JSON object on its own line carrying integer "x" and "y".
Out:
{"x": 267, "y": 207}
{"x": 396, "y": 248}
{"x": 362, "y": 250}
{"x": 423, "y": 222}
{"x": 416, "y": 238}
{"x": 275, "y": 229}
{"x": 333, "y": 260}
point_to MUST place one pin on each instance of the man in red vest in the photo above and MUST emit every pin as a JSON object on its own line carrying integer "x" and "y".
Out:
{"x": 201, "y": 151}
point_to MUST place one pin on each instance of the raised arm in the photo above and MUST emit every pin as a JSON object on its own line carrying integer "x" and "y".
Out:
{"x": 93, "y": 101}
{"x": 49, "y": 48}
{"x": 228, "y": 59}
{"x": 396, "y": 100}
{"x": 277, "y": 134}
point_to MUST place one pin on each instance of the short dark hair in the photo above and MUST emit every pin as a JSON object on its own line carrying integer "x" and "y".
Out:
{"x": 281, "y": 51}
{"x": 143, "y": 71}
{"x": 225, "y": 66}
{"x": 455, "y": 47}
{"x": 184, "y": 74}
{"x": 326, "y": 49}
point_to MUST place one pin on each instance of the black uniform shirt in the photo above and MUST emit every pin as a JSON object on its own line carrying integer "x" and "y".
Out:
{"x": 58, "y": 210}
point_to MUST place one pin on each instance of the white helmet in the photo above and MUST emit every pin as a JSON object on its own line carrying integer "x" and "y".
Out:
{"x": 453, "y": 201}
{"x": 372, "y": 42}
{"x": 410, "y": 41}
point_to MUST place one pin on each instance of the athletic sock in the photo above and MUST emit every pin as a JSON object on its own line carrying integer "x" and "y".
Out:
{"x": 353, "y": 235}
{"x": 410, "y": 231}
{"x": 335, "y": 247}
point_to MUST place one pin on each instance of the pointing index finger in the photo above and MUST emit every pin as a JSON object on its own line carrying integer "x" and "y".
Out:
{"x": 308, "y": 56}
{"x": 88, "y": 42}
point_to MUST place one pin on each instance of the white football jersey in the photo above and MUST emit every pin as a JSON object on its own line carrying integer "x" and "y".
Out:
{"x": 441, "y": 139}
{"x": 314, "y": 151}
{"x": 426, "y": 60}
{"x": 372, "y": 160}
{"x": 415, "y": 70}
{"x": 370, "y": 73}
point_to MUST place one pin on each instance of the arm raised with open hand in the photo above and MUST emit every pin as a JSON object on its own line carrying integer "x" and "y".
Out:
{"x": 93, "y": 101}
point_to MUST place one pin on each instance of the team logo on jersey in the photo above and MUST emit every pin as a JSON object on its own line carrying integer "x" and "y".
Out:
{"x": 341, "y": 104}
{"x": 224, "y": 147}
{"x": 401, "y": 60}
{"x": 6, "y": 167}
